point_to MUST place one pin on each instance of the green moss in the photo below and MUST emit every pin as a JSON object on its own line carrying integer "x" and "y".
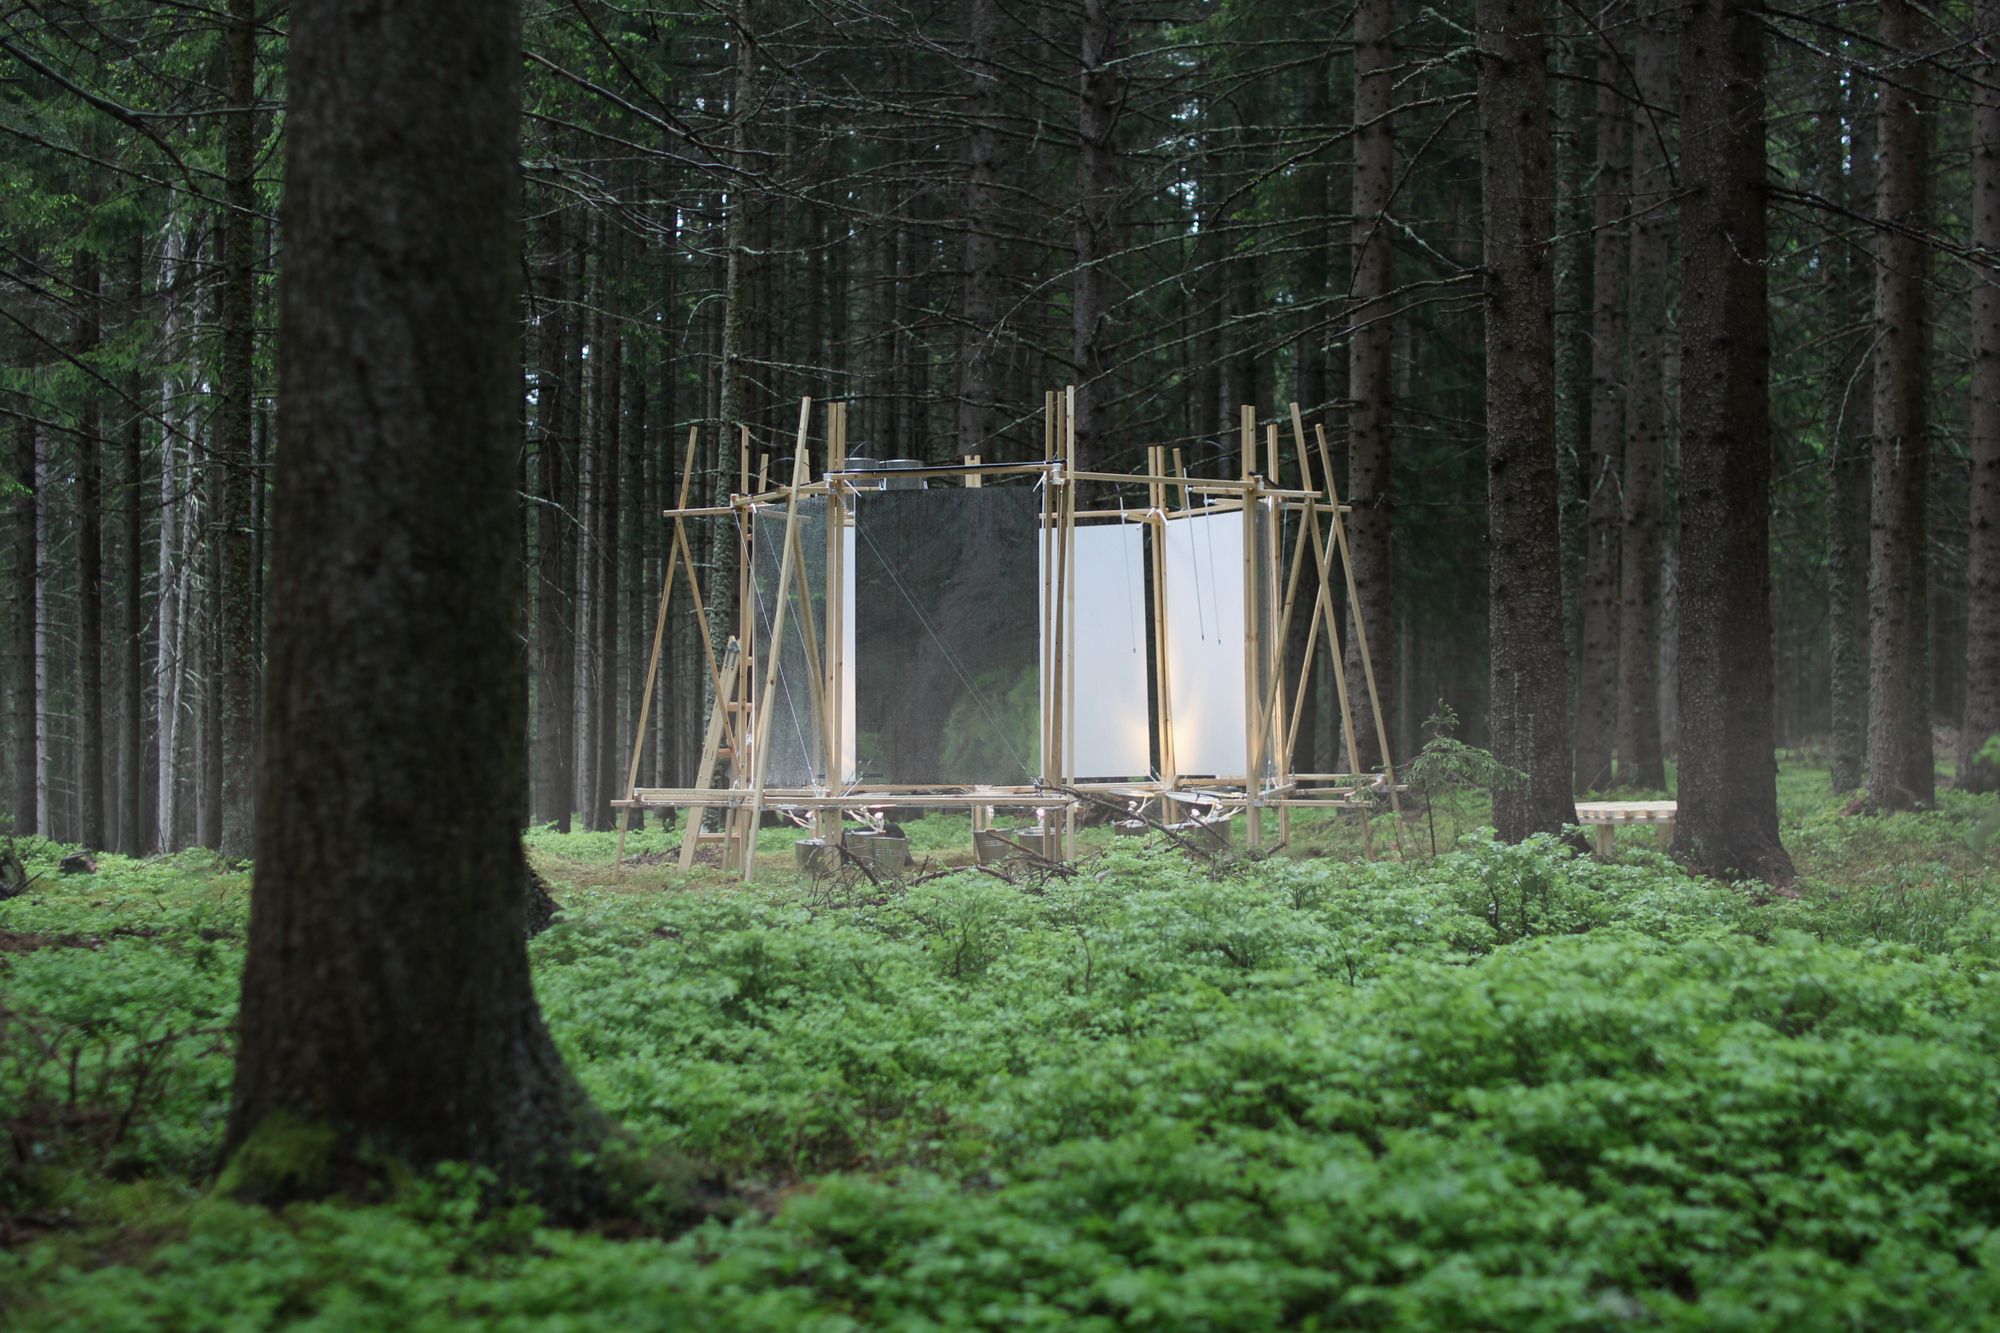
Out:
{"x": 286, "y": 1157}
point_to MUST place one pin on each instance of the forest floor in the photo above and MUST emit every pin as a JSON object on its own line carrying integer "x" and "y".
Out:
{"x": 1492, "y": 1088}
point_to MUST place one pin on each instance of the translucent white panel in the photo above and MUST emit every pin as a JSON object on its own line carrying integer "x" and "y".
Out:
{"x": 1204, "y": 615}
{"x": 1110, "y": 732}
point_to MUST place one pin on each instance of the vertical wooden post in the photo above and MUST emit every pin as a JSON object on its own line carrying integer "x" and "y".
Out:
{"x": 1253, "y": 657}
{"x": 1156, "y": 541}
{"x": 1069, "y": 624}
{"x": 1047, "y": 609}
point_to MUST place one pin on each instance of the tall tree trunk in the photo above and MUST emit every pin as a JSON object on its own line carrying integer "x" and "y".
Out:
{"x": 1530, "y": 667}
{"x": 1316, "y": 248}
{"x": 721, "y": 600}
{"x": 1094, "y": 293}
{"x": 1572, "y": 244}
{"x": 555, "y": 682}
{"x": 1641, "y": 764}
{"x": 168, "y": 672}
{"x": 1728, "y": 821}
{"x": 1597, "y": 675}
{"x": 1371, "y": 367}
{"x": 610, "y": 775}
{"x": 590, "y": 530}
{"x": 978, "y": 361}
{"x": 386, "y": 1002}
{"x": 208, "y": 737}
{"x": 132, "y": 840}
{"x": 90, "y": 565}
{"x": 1901, "y": 772}
{"x": 236, "y": 631}
{"x": 1850, "y": 279}
{"x": 1982, "y": 649}
{"x": 27, "y": 614}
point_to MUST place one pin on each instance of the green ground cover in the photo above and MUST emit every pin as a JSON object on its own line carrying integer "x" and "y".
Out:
{"x": 1499, "y": 1088}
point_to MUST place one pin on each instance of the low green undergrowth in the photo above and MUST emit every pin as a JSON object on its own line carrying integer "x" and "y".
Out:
{"x": 1501, "y": 1088}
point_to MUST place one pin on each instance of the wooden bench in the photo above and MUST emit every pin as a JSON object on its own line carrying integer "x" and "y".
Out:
{"x": 1610, "y": 816}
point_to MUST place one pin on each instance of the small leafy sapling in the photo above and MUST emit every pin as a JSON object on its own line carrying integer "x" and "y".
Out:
{"x": 1447, "y": 770}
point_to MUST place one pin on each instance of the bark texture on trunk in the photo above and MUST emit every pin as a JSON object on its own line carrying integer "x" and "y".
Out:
{"x": 1982, "y": 648}
{"x": 1530, "y": 667}
{"x": 1316, "y": 255}
{"x": 1597, "y": 673}
{"x": 555, "y": 546}
{"x": 609, "y": 780}
{"x": 90, "y": 566}
{"x": 132, "y": 837}
{"x": 1096, "y": 240}
{"x": 236, "y": 634}
{"x": 1851, "y": 400}
{"x": 1728, "y": 794}
{"x": 1901, "y": 771}
{"x": 979, "y": 360}
{"x": 1371, "y": 366}
{"x": 386, "y": 997}
{"x": 27, "y": 582}
{"x": 722, "y": 553}
{"x": 1640, "y": 761}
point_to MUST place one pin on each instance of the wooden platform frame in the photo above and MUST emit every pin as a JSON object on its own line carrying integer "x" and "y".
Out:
{"x": 743, "y": 689}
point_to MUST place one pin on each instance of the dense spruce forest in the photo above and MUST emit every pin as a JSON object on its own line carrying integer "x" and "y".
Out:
{"x": 934, "y": 214}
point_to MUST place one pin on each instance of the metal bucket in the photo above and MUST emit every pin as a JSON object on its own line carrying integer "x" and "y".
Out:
{"x": 884, "y": 855}
{"x": 1004, "y": 844}
{"x": 1211, "y": 834}
{"x": 815, "y": 857}
{"x": 903, "y": 483}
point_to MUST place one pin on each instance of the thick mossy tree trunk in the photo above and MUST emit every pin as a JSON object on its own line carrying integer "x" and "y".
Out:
{"x": 1371, "y": 369}
{"x": 1530, "y": 666}
{"x": 1901, "y": 769}
{"x": 387, "y": 1011}
{"x": 1982, "y": 664}
{"x": 1728, "y": 768}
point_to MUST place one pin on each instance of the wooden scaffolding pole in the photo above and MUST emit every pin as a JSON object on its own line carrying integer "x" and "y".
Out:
{"x": 653, "y": 666}
{"x": 1361, "y": 640}
{"x": 718, "y": 718}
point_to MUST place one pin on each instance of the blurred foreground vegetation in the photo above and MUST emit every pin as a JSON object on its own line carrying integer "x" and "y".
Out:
{"x": 1495, "y": 1088}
